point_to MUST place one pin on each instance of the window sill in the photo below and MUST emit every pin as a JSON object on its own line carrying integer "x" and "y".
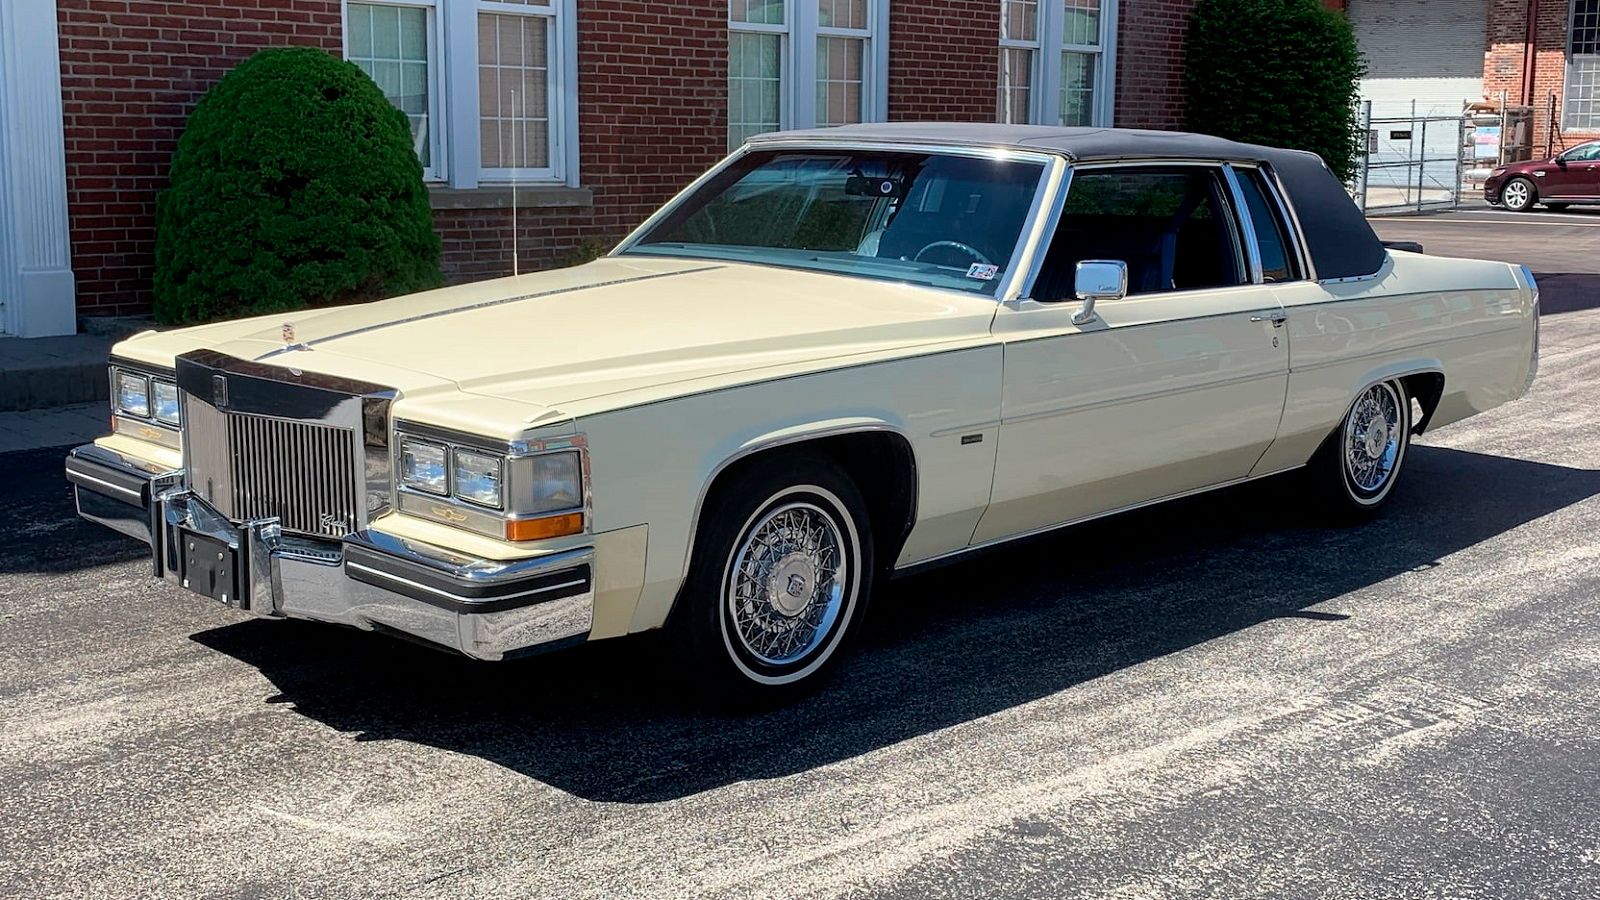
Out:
{"x": 539, "y": 196}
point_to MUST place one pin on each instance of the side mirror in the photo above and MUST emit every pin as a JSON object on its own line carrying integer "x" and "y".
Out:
{"x": 1096, "y": 280}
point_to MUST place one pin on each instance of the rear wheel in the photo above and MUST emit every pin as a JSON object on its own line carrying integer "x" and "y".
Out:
{"x": 780, "y": 577}
{"x": 1518, "y": 195}
{"x": 1356, "y": 468}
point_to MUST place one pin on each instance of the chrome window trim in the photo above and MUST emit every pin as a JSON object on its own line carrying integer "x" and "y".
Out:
{"x": 1060, "y": 183}
{"x": 1247, "y": 227}
{"x": 1308, "y": 269}
{"x": 1052, "y": 162}
{"x": 1275, "y": 196}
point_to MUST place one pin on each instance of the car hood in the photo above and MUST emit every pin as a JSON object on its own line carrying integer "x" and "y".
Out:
{"x": 620, "y": 325}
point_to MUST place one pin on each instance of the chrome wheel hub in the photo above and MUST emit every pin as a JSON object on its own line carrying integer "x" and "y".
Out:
{"x": 787, "y": 582}
{"x": 792, "y": 585}
{"x": 1516, "y": 193}
{"x": 1372, "y": 438}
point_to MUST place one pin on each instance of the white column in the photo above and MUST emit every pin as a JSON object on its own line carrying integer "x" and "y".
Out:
{"x": 36, "y": 284}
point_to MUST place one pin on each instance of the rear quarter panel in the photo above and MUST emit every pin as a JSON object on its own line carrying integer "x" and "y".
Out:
{"x": 653, "y": 463}
{"x": 1472, "y": 320}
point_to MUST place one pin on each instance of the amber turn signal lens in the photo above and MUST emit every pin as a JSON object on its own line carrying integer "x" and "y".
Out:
{"x": 547, "y": 527}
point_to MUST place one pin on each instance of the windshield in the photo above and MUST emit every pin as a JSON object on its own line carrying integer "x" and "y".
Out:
{"x": 941, "y": 221}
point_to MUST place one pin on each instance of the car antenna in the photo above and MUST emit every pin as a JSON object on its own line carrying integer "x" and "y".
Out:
{"x": 515, "y": 161}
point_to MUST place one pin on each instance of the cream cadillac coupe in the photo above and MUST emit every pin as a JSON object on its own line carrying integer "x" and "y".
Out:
{"x": 839, "y": 355}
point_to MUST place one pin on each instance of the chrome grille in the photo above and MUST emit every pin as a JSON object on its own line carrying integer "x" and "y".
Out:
{"x": 252, "y": 467}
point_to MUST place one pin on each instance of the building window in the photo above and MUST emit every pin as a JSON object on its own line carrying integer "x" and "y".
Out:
{"x": 1582, "y": 100}
{"x": 514, "y": 93}
{"x": 803, "y": 63}
{"x": 757, "y": 31}
{"x": 1019, "y": 53}
{"x": 394, "y": 45}
{"x": 510, "y": 65}
{"x": 1056, "y": 61}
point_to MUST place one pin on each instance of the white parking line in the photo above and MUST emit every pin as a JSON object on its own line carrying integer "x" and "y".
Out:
{"x": 1436, "y": 221}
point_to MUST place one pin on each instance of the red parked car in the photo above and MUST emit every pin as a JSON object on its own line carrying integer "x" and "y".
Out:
{"x": 1573, "y": 176}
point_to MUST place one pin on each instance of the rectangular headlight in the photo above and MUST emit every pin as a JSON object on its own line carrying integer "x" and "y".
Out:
{"x": 477, "y": 478}
{"x": 557, "y": 482}
{"x": 164, "y": 395}
{"x": 423, "y": 466}
{"x": 133, "y": 394}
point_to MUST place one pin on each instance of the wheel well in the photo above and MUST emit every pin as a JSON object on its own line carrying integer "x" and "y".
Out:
{"x": 880, "y": 463}
{"x": 1426, "y": 388}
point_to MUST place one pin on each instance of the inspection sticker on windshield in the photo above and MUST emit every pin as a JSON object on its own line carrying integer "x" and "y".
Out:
{"x": 982, "y": 272}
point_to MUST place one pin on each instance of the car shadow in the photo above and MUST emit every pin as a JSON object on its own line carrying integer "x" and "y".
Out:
{"x": 1564, "y": 292}
{"x": 41, "y": 531}
{"x": 970, "y": 639}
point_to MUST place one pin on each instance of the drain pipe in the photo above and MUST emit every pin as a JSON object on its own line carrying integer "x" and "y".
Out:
{"x": 1529, "y": 53}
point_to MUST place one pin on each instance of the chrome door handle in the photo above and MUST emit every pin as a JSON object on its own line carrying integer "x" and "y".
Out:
{"x": 1277, "y": 319}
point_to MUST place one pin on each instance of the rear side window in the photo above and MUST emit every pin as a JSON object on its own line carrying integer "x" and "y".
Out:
{"x": 1272, "y": 236}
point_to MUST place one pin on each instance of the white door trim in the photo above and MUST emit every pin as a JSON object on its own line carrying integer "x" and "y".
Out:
{"x": 36, "y": 284}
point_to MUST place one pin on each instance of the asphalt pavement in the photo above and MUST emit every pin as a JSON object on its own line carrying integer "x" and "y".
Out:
{"x": 1222, "y": 697}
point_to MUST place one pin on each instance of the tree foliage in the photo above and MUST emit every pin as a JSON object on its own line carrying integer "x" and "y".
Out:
{"x": 1284, "y": 73}
{"x": 294, "y": 184}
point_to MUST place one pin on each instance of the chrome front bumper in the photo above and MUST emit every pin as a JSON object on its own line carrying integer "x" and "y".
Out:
{"x": 486, "y": 609}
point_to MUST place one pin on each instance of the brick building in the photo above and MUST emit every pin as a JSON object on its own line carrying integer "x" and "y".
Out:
{"x": 598, "y": 109}
{"x": 1430, "y": 57}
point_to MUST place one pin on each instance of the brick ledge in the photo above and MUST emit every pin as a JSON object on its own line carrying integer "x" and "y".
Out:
{"x": 499, "y": 197}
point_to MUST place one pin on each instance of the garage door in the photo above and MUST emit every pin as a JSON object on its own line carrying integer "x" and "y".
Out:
{"x": 1425, "y": 51}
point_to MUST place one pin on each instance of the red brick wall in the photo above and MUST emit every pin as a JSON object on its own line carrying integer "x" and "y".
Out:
{"x": 1505, "y": 66}
{"x": 652, "y": 115}
{"x": 130, "y": 73}
{"x": 944, "y": 60}
{"x": 1150, "y": 40}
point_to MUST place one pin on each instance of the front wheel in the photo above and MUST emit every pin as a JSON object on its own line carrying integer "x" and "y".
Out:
{"x": 1357, "y": 467}
{"x": 781, "y": 573}
{"x": 1518, "y": 195}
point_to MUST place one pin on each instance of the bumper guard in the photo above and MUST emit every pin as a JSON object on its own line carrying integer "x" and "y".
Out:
{"x": 486, "y": 609}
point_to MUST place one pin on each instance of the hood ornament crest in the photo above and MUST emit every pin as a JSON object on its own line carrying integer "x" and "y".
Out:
{"x": 288, "y": 339}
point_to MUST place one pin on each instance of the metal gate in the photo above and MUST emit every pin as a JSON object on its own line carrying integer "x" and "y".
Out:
{"x": 1414, "y": 163}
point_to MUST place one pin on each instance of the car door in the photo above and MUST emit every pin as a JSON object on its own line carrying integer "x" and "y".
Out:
{"x": 1583, "y": 168}
{"x": 1177, "y": 386}
{"x": 1575, "y": 173}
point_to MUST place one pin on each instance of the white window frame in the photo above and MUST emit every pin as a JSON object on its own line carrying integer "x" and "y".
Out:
{"x": 438, "y": 149}
{"x": 1036, "y": 56}
{"x": 1569, "y": 95}
{"x": 453, "y": 90}
{"x": 797, "y": 96}
{"x": 786, "y": 80}
{"x": 1044, "y": 100}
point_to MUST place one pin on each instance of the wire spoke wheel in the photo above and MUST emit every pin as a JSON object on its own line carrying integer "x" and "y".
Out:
{"x": 787, "y": 583}
{"x": 1373, "y": 439}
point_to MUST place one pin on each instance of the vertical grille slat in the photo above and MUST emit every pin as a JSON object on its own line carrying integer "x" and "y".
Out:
{"x": 257, "y": 467}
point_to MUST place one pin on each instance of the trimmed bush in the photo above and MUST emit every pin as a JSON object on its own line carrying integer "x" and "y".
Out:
{"x": 1284, "y": 73}
{"x": 294, "y": 185}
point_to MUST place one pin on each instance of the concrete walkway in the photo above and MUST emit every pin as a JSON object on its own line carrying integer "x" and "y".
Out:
{"x": 39, "y": 373}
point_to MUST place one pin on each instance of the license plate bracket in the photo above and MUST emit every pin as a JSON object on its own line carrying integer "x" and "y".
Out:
{"x": 210, "y": 567}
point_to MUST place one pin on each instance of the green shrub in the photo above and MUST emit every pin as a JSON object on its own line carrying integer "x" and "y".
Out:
{"x": 294, "y": 185}
{"x": 1285, "y": 73}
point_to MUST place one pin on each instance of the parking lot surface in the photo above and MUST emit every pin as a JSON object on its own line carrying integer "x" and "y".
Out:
{"x": 1217, "y": 698}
